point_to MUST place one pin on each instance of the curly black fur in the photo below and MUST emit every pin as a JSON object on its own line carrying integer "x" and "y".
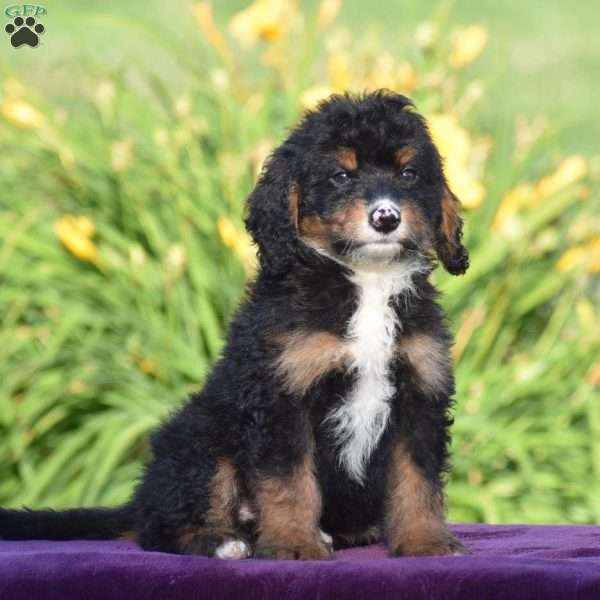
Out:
{"x": 247, "y": 431}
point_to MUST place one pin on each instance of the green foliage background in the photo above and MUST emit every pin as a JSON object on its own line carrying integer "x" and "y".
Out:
{"x": 156, "y": 139}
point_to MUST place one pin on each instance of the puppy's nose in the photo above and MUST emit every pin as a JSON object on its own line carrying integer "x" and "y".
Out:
{"x": 385, "y": 217}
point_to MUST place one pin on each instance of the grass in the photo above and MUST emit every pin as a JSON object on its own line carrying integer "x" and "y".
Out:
{"x": 122, "y": 254}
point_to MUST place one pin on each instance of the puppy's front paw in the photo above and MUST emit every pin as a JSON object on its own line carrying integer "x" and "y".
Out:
{"x": 436, "y": 545}
{"x": 308, "y": 551}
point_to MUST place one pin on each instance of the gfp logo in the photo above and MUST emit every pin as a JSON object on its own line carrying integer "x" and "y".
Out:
{"x": 25, "y": 10}
{"x": 24, "y": 29}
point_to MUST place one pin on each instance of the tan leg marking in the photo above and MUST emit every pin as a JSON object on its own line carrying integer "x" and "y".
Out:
{"x": 429, "y": 358}
{"x": 414, "y": 516}
{"x": 305, "y": 357}
{"x": 224, "y": 497}
{"x": 219, "y": 520}
{"x": 289, "y": 512}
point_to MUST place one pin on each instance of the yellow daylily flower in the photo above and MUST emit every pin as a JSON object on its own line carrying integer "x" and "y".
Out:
{"x": 75, "y": 234}
{"x": 593, "y": 376}
{"x": 406, "y": 78}
{"x": 328, "y": 10}
{"x": 585, "y": 256}
{"x": 311, "y": 97}
{"x": 238, "y": 241}
{"x": 137, "y": 256}
{"x": 339, "y": 70}
{"x": 506, "y": 220}
{"x": 426, "y": 35}
{"x": 267, "y": 20}
{"x": 204, "y": 17}
{"x": 571, "y": 169}
{"x": 469, "y": 42}
{"x": 246, "y": 252}
{"x": 527, "y": 195}
{"x": 149, "y": 366}
{"x": 104, "y": 95}
{"x": 175, "y": 259}
{"x": 449, "y": 137}
{"x": 85, "y": 226}
{"x": 338, "y": 40}
{"x": 383, "y": 73}
{"x": 456, "y": 147}
{"x": 22, "y": 114}
{"x": 584, "y": 227}
{"x": 220, "y": 79}
{"x": 227, "y": 231}
{"x": 259, "y": 154}
{"x": 469, "y": 190}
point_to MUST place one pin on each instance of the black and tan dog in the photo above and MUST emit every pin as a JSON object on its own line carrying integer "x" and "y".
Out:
{"x": 328, "y": 414}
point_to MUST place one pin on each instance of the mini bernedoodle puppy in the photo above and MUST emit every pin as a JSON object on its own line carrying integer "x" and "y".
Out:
{"x": 326, "y": 421}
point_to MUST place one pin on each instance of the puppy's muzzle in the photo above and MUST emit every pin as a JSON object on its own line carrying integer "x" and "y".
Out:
{"x": 385, "y": 217}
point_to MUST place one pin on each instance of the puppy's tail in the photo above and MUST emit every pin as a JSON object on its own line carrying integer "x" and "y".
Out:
{"x": 73, "y": 524}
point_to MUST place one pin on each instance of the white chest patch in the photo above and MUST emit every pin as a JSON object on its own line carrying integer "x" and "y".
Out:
{"x": 361, "y": 419}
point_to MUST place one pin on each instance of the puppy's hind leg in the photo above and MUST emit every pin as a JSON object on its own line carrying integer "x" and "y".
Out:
{"x": 219, "y": 536}
{"x": 211, "y": 527}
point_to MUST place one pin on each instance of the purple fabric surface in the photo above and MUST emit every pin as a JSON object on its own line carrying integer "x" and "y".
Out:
{"x": 511, "y": 562}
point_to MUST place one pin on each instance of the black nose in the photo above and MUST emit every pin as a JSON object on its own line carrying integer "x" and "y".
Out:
{"x": 384, "y": 218}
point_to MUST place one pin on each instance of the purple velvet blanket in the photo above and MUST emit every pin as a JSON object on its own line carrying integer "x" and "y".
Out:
{"x": 507, "y": 562}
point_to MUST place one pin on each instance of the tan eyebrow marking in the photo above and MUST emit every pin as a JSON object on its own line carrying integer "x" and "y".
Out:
{"x": 289, "y": 511}
{"x": 404, "y": 155}
{"x": 347, "y": 158}
{"x": 415, "y": 509}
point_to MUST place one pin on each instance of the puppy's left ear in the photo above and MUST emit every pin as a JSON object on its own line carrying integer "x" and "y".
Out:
{"x": 272, "y": 213}
{"x": 448, "y": 244}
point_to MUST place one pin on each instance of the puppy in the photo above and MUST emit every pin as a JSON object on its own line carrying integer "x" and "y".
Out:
{"x": 329, "y": 409}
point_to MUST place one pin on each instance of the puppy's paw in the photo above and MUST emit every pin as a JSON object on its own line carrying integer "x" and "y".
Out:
{"x": 233, "y": 550}
{"x": 436, "y": 545}
{"x": 326, "y": 539}
{"x": 308, "y": 551}
{"x": 214, "y": 543}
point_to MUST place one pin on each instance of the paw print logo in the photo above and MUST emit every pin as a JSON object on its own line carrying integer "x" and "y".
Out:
{"x": 24, "y": 31}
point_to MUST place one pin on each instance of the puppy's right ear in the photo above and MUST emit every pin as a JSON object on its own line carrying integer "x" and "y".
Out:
{"x": 449, "y": 246}
{"x": 272, "y": 214}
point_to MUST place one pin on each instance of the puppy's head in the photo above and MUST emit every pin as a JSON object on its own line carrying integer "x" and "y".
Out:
{"x": 358, "y": 181}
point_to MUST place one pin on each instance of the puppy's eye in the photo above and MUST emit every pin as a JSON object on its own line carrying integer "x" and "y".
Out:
{"x": 409, "y": 175}
{"x": 340, "y": 178}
